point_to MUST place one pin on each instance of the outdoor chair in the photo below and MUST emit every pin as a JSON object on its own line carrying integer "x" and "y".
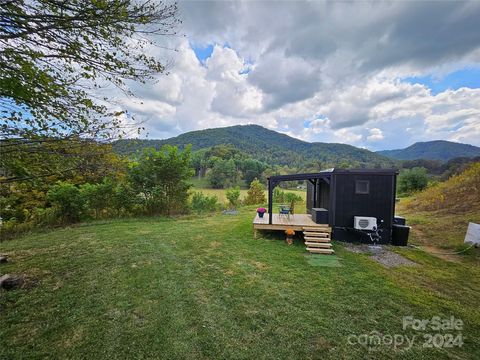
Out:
{"x": 284, "y": 210}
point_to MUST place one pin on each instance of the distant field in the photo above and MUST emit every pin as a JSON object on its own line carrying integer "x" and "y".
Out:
{"x": 220, "y": 194}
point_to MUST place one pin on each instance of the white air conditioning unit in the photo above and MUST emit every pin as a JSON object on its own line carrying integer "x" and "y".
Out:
{"x": 365, "y": 223}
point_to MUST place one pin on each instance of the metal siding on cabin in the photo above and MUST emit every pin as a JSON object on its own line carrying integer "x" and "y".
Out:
{"x": 378, "y": 203}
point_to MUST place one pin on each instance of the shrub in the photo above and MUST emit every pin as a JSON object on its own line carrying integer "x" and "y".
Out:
{"x": 233, "y": 196}
{"x": 68, "y": 201}
{"x": 412, "y": 180}
{"x": 255, "y": 194}
{"x": 280, "y": 196}
{"x": 98, "y": 197}
{"x": 161, "y": 179}
{"x": 45, "y": 216}
{"x": 203, "y": 203}
{"x": 124, "y": 200}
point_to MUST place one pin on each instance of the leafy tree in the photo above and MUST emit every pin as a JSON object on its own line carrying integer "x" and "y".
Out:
{"x": 255, "y": 194}
{"x": 412, "y": 180}
{"x": 74, "y": 160}
{"x": 233, "y": 196}
{"x": 251, "y": 169}
{"x": 199, "y": 162}
{"x": 53, "y": 52}
{"x": 161, "y": 179}
{"x": 18, "y": 201}
{"x": 28, "y": 174}
{"x": 224, "y": 152}
{"x": 223, "y": 174}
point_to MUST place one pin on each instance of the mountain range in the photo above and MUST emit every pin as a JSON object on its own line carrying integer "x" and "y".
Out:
{"x": 433, "y": 150}
{"x": 266, "y": 145}
{"x": 279, "y": 149}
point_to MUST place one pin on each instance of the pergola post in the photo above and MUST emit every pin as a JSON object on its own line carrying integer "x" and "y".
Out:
{"x": 315, "y": 182}
{"x": 270, "y": 200}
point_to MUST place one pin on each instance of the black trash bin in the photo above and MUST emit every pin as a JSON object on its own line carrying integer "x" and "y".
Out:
{"x": 399, "y": 220}
{"x": 400, "y": 235}
{"x": 320, "y": 215}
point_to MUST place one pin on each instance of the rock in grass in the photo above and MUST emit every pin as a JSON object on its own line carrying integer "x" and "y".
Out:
{"x": 3, "y": 259}
{"x": 10, "y": 282}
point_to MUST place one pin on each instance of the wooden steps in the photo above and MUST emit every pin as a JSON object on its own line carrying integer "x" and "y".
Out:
{"x": 321, "y": 251}
{"x": 318, "y": 245}
{"x": 317, "y": 239}
{"x": 316, "y": 234}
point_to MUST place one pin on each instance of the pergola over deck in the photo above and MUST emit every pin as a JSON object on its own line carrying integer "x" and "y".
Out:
{"x": 313, "y": 178}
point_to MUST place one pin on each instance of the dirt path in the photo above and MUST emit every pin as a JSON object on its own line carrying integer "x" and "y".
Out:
{"x": 434, "y": 250}
{"x": 444, "y": 254}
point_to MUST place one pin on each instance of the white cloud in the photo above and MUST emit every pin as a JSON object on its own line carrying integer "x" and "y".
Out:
{"x": 347, "y": 136}
{"x": 319, "y": 71}
{"x": 375, "y": 135}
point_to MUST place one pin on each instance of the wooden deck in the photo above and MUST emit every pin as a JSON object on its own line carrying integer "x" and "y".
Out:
{"x": 297, "y": 222}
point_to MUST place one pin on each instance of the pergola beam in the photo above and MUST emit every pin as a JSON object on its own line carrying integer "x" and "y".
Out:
{"x": 313, "y": 178}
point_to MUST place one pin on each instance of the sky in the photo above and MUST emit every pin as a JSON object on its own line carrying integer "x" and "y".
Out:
{"x": 376, "y": 75}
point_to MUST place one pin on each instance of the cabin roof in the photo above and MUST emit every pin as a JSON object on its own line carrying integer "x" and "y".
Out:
{"x": 328, "y": 172}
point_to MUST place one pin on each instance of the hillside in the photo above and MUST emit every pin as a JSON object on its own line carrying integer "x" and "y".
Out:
{"x": 459, "y": 194}
{"x": 433, "y": 150}
{"x": 265, "y": 145}
{"x": 439, "y": 215}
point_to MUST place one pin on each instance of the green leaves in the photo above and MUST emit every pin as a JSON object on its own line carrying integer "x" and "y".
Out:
{"x": 233, "y": 196}
{"x": 412, "y": 180}
{"x": 161, "y": 177}
{"x": 53, "y": 53}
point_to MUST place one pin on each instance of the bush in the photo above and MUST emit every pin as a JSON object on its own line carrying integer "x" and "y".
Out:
{"x": 161, "y": 178}
{"x": 412, "y": 180}
{"x": 45, "y": 216}
{"x": 280, "y": 196}
{"x": 68, "y": 201}
{"x": 202, "y": 203}
{"x": 233, "y": 196}
{"x": 98, "y": 197}
{"x": 125, "y": 201}
{"x": 255, "y": 194}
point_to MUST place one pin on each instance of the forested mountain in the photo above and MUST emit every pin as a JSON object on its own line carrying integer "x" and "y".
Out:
{"x": 433, "y": 150}
{"x": 268, "y": 146}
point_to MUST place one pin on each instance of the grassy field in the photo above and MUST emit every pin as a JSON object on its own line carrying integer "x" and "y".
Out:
{"x": 220, "y": 194}
{"x": 435, "y": 228}
{"x": 203, "y": 288}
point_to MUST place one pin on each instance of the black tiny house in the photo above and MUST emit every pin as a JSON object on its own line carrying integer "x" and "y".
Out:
{"x": 352, "y": 198}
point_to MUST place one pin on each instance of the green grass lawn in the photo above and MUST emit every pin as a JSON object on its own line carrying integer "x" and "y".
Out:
{"x": 442, "y": 229}
{"x": 203, "y": 288}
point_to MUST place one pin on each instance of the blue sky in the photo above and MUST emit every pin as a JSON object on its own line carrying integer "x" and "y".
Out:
{"x": 468, "y": 77}
{"x": 203, "y": 52}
